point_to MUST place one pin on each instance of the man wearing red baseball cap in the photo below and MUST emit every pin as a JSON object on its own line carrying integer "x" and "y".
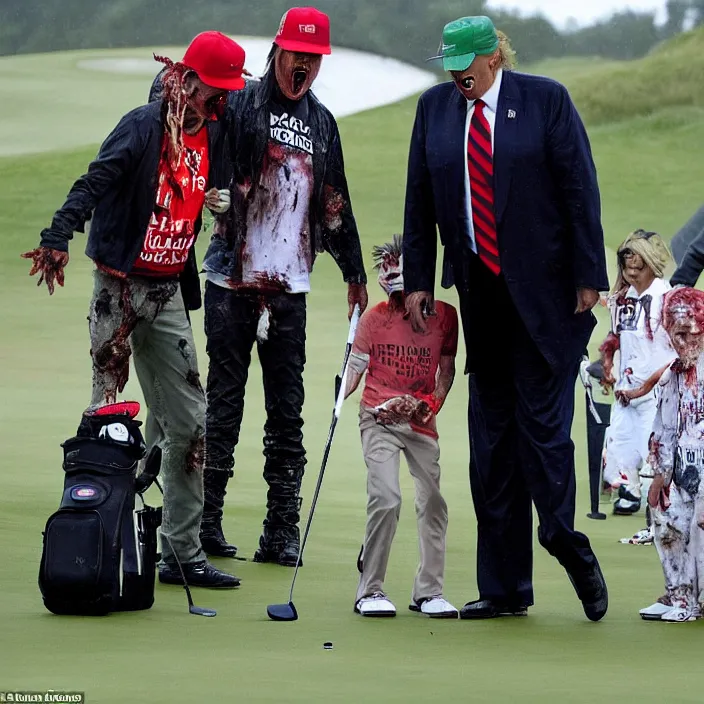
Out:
{"x": 144, "y": 195}
{"x": 290, "y": 202}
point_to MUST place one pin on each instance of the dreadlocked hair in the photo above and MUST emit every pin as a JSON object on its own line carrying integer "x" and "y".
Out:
{"x": 172, "y": 93}
{"x": 391, "y": 250}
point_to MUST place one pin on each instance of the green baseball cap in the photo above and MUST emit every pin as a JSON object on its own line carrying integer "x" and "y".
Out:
{"x": 464, "y": 39}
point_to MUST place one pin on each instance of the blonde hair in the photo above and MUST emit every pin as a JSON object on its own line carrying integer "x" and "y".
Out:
{"x": 651, "y": 249}
{"x": 506, "y": 52}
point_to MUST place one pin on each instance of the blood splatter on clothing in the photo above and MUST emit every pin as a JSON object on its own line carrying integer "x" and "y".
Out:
{"x": 276, "y": 251}
{"x": 400, "y": 360}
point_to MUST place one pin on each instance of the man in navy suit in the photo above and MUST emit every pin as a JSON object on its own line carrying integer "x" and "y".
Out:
{"x": 501, "y": 164}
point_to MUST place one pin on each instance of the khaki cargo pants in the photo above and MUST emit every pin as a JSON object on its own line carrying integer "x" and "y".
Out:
{"x": 382, "y": 446}
{"x": 146, "y": 318}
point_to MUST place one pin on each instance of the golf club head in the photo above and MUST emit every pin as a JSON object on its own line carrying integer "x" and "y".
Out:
{"x": 282, "y": 612}
{"x": 200, "y": 611}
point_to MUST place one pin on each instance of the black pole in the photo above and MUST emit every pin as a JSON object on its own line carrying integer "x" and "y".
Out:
{"x": 596, "y": 431}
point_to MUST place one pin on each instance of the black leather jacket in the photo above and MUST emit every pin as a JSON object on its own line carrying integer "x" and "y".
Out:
{"x": 118, "y": 192}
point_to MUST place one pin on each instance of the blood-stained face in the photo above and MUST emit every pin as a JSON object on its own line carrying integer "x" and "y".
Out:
{"x": 391, "y": 274}
{"x": 296, "y": 72}
{"x": 684, "y": 322}
{"x": 479, "y": 77}
{"x": 203, "y": 103}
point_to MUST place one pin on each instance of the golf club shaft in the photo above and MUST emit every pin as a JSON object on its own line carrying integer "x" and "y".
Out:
{"x": 178, "y": 562}
{"x": 335, "y": 415}
{"x": 314, "y": 501}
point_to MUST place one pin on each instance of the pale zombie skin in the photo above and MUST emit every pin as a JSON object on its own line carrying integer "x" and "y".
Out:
{"x": 677, "y": 454}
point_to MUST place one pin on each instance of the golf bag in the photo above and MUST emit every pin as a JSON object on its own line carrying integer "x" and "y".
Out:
{"x": 99, "y": 555}
{"x": 598, "y": 420}
{"x": 596, "y": 437}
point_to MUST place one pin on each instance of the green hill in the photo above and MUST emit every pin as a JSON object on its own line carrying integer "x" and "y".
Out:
{"x": 671, "y": 77}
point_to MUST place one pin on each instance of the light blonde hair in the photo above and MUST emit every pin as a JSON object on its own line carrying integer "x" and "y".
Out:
{"x": 506, "y": 52}
{"x": 652, "y": 250}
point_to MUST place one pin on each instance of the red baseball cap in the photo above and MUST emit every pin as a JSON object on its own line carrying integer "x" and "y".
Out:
{"x": 306, "y": 30}
{"x": 217, "y": 59}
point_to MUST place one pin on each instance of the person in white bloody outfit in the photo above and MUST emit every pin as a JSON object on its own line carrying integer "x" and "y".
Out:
{"x": 638, "y": 339}
{"x": 676, "y": 496}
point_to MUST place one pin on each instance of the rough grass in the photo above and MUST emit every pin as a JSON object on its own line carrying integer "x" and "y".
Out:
{"x": 650, "y": 176}
{"x": 672, "y": 76}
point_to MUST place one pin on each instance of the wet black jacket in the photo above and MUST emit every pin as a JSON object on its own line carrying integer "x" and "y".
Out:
{"x": 247, "y": 123}
{"x": 118, "y": 193}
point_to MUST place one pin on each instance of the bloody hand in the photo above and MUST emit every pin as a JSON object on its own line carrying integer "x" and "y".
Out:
{"x": 50, "y": 263}
{"x": 423, "y": 413}
{"x": 625, "y": 397}
{"x": 357, "y": 294}
{"x": 608, "y": 380}
{"x": 419, "y": 305}
{"x": 398, "y": 410}
{"x": 658, "y": 494}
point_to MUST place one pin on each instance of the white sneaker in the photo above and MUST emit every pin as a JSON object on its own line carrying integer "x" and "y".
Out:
{"x": 654, "y": 612}
{"x": 679, "y": 615}
{"x": 436, "y": 607}
{"x": 642, "y": 537}
{"x": 376, "y": 604}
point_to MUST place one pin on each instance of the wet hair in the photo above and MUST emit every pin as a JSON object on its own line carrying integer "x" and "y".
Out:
{"x": 390, "y": 250}
{"x": 652, "y": 250}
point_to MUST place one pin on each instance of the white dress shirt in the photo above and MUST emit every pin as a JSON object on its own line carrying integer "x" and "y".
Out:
{"x": 491, "y": 101}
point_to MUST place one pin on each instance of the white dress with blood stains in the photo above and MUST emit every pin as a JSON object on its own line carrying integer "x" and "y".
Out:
{"x": 678, "y": 452}
{"x": 644, "y": 347}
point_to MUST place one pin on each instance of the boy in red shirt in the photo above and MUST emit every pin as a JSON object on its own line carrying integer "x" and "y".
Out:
{"x": 408, "y": 378}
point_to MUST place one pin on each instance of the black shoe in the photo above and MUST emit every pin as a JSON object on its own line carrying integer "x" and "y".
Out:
{"x": 214, "y": 543}
{"x": 484, "y": 608}
{"x": 592, "y": 592}
{"x": 198, "y": 574}
{"x": 627, "y": 504}
{"x": 281, "y": 547}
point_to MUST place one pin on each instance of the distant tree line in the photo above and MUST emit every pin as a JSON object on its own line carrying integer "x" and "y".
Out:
{"x": 405, "y": 29}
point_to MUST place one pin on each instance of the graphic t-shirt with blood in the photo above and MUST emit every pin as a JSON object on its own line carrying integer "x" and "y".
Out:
{"x": 400, "y": 360}
{"x": 179, "y": 203}
{"x": 277, "y": 249}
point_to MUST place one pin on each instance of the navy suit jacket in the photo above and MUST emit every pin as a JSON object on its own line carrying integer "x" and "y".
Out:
{"x": 546, "y": 199}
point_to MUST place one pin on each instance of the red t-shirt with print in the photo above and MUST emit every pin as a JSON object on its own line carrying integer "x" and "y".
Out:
{"x": 179, "y": 203}
{"x": 402, "y": 361}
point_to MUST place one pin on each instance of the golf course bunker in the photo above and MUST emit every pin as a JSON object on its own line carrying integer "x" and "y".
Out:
{"x": 349, "y": 81}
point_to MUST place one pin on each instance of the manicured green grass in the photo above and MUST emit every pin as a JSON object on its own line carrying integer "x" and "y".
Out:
{"x": 650, "y": 176}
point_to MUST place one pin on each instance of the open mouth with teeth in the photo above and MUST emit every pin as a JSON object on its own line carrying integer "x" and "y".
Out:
{"x": 298, "y": 79}
{"x": 467, "y": 82}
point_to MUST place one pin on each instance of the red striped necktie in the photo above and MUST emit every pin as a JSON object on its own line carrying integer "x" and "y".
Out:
{"x": 481, "y": 179}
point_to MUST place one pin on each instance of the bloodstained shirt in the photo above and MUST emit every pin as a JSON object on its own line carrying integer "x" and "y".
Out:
{"x": 277, "y": 251}
{"x": 402, "y": 361}
{"x": 179, "y": 203}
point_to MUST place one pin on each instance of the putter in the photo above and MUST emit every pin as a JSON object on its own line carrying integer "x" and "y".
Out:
{"x": 192, "y": 608}
{"x": 287, "y": 612}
